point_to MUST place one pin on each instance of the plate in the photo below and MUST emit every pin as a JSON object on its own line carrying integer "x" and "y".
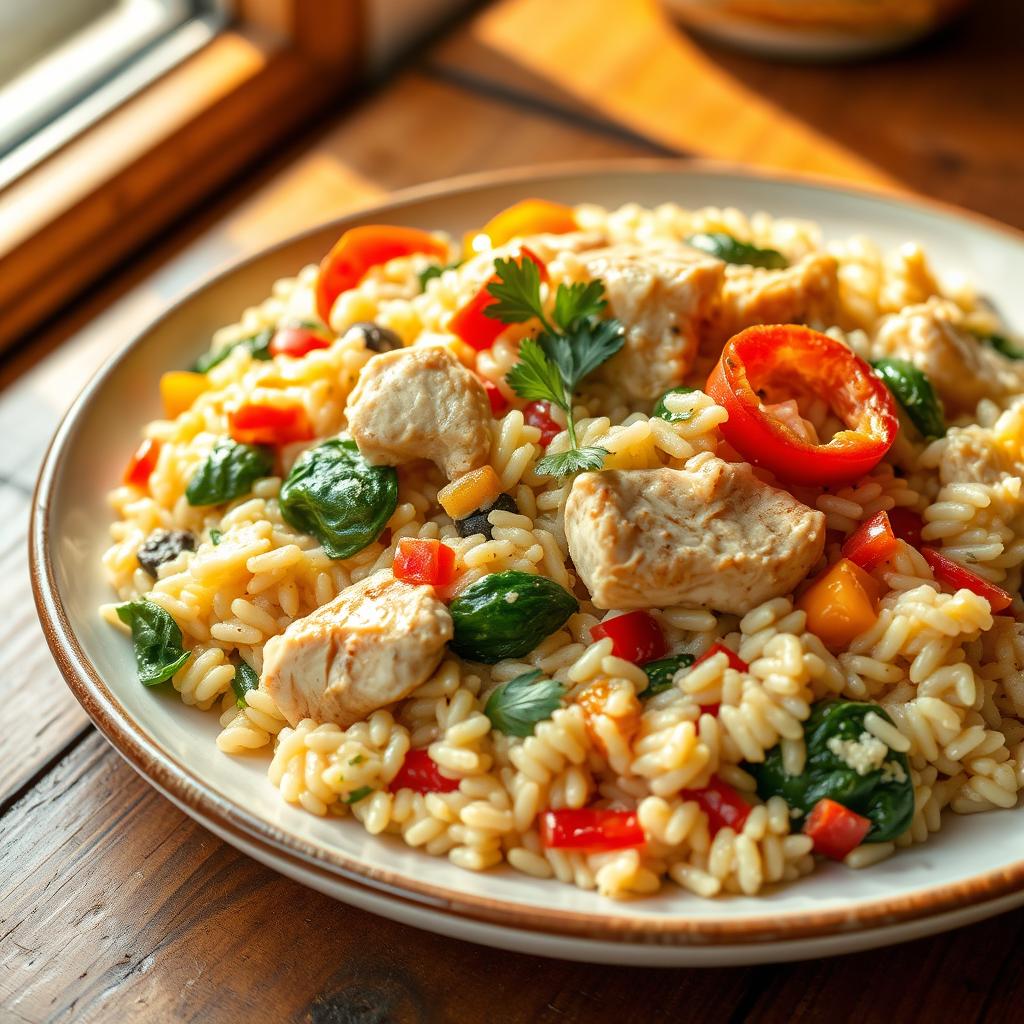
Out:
{"x": 974, "y": 868}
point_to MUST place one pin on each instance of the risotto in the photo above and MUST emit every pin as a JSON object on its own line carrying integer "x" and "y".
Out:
{"x": 627, "y": 548}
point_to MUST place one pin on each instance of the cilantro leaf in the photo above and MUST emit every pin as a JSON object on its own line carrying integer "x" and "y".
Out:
{"x": 579, "y": 353}
{"x": 536, "y": 376}
{"x": 575, "y": 302}
{"x": 516, "y": 707}
{"x": 517, "y": 291}
{"x": 575, "y": 460}
{"x": 357, "y": 794}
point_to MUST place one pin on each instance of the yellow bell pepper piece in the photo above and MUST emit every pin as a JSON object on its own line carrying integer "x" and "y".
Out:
{"x": 470, "y": 492}
{"x": 527, "y": 217}
{"x": 179, "y": 389}
{"x": 841, "y": 604}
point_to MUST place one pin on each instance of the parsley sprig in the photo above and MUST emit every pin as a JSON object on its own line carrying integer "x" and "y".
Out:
{"x": 573, "y": 342}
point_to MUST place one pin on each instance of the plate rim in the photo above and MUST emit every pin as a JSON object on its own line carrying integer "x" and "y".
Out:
{"x": 169, "y": 775}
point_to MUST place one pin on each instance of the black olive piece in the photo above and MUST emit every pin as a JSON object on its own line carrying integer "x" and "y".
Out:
{"x": 377, "y": 338}
{"x": 477, "y": 522}
{"x": 163, "y": 545}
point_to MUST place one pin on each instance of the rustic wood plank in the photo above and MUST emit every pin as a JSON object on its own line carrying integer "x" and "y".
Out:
{"x": 943, "y": 118}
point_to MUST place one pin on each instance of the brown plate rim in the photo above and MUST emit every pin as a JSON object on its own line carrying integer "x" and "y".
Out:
{"x": 175, "y": 779}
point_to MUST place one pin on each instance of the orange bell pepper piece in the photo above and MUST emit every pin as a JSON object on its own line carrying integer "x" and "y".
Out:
{"x": 841, "y": 604}
{"x": 179, "y": 389}
{"x": 527, "y": 217}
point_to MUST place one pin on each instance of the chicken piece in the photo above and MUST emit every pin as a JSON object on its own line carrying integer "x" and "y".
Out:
{"x": 714, "y": 536}
{"x": 420, "y": 403}
{"x": 805, "y": 293}
{"x": 962, "y": 369}
{"x": 969, "y": 456}
{"x": 664, "y": 296}
{"x": 372, "y": 645}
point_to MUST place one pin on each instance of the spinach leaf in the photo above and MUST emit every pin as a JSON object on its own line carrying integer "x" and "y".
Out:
{"x": 884, "y": 795}
{"x": 660, "y": 673}
{"x": 156, "y": 639}
{"x": 517, "y": 706}
{"x": 913, "y": 390}
{"x": 507, "y": 614}
{"x": 335, "y": 495}
{"x": 732, "y": 250}
{"x": 661, "y": 411}
{"x": 245, "y": 679}
{"x": 229, "y": 471}
{"x": 257, "y": 344}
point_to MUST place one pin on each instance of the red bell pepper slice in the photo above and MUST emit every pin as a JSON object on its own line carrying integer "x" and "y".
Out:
{"x": 635, "y": 637}
{"x": 735, "y": 661}
{"x": 590, "y": 830}
{"x": 472, "y": 324}
{"x": 141, "y": 465}
{"x": 296, "y": 342}
{"x": 906, "y": 525}
{"x": 364, "y": 247}
{"x": 873, "y": 543}
{"x": 258, "y": 423}
{"x": 419, "y": 772}
{"x": 538, "y": 414}
{"x": 424, "y": 560}
{"x": 499, "y": 403}
{"x": 955, "y": 576}
{"x": 788, "y": 358}
{"x": 835, "y": 829}
{"x": 724, "y": 807}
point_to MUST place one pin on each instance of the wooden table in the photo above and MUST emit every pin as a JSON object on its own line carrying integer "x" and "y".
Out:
{"x": 115, "y": 906}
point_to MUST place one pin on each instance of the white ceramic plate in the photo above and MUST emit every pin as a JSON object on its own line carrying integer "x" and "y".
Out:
{"x": 974, "y": 868}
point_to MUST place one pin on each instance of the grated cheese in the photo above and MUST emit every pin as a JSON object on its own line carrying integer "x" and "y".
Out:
{"x": 863, "y": 755}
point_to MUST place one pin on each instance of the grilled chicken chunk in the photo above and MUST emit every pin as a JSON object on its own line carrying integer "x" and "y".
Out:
{"x": 420, "y": 403}
{"x": 372, "y": 645}
{"x": 713, "y": 536}
{"x": 664, "y": 296}
{"x": 970, "y": 457}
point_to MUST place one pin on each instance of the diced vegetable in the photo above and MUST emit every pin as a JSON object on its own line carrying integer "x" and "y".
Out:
{"x": 377, "y": 338}
{"x": 499, "y": 403}
{"x": 590, "y": 830}
{"x": 841, "y": 604}
{"x": 538, "y": 414}
{"x": 364, "y": 247}
{"x": 156, "y": 639}
{"x": 435, "y": 270}
{"x": 474, "y": 490}
{"x": 335, "y": 495}
{"x": 179, "y": 389}
{"x": 735, "y": 661}
{"x": 955, "y": 576}
{"x": 424, "y": 560}
{"x": 263, "y": 423}
{"x": 516, "y": 707}
{"x": 661, "y": 410}
{"x": 1004, "y": 346}
{"x": 724, "y": 807}
{"x": 243, "y": 682}
{"x": 163, "y": 546}
{"x": 299, "y": 340}
{"x": 835, "y": 829}
{"x": 507, "y": 614}
{"x": 527, "y": 217}
{"x": 478, "y": 521}
{"x": 762, "y": 357}
{"x": 906, "y": 525}
{"x": 229, "y": 471}
{"x": 472, "y": 324}
{"x": 661, "y": 673}
{"x": 141, "y": 465}
{"x": 872, "y": 543}
{"x": 635, "y": 636}
{"x": 842, "y": 765}
{"x": 594, "y": 699}
{"x": 257, "y": 345}
{"x": 422, "y": 775}
{"x": 724, "y": 247}
{"x": 914, "y": 391}
{"x": 360, "y": 793}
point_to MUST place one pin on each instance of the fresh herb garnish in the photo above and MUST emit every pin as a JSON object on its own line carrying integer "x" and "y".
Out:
{"x": 724, "y": 247}
{"x": 357, "y": 794}
{"x": 435, "y": 270}
{"x": 215, "y": 535}
{"x": 516, "y": 707}
{"x": 573, "y": 343}
{"x": 156, "y": 639}
{"x": 258, "y": 346}
{"x": 245, "y": 679}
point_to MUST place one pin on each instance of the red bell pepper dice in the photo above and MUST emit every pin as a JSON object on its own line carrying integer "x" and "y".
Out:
{"x": 635, "y": 637}
{"x": 873, "y": 543}
{"x": 296, "y": 342}
{"x": 424, "y": 560}
{"x": 141, "y": 465}
{"x": 787, "y": 358}
{"x": 735, "y": 661}
{"x": 421, "y": 774}
{"x": 955, "y": 576}
{"x": 590, "y": 830}
{"x": 256, "y": 423}
{"x": 499, "y": 403}
{"x": 835, "y": 829}
{"x": 724, "y": 807}
{"x": 538, "y": 414}
{"x": 907, "y": 525}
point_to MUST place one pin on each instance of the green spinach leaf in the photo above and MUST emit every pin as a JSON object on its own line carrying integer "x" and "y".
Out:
{"x": 156, "y": 639}
{"x": 660, "y": 673}
{"x": 245, "y": 679}
{"x": 258, "y": 346}
{"x": 661, "y": 410}
{"x": 229, "y": 471}
{"x": 516, "y": 707}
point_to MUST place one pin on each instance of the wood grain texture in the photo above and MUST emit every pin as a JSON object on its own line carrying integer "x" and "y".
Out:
{"x": 944, "y": 118}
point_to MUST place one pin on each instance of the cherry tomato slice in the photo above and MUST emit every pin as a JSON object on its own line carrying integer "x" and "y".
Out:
{"x": 538, "y": 414}
{"x": 420, "y": 773}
